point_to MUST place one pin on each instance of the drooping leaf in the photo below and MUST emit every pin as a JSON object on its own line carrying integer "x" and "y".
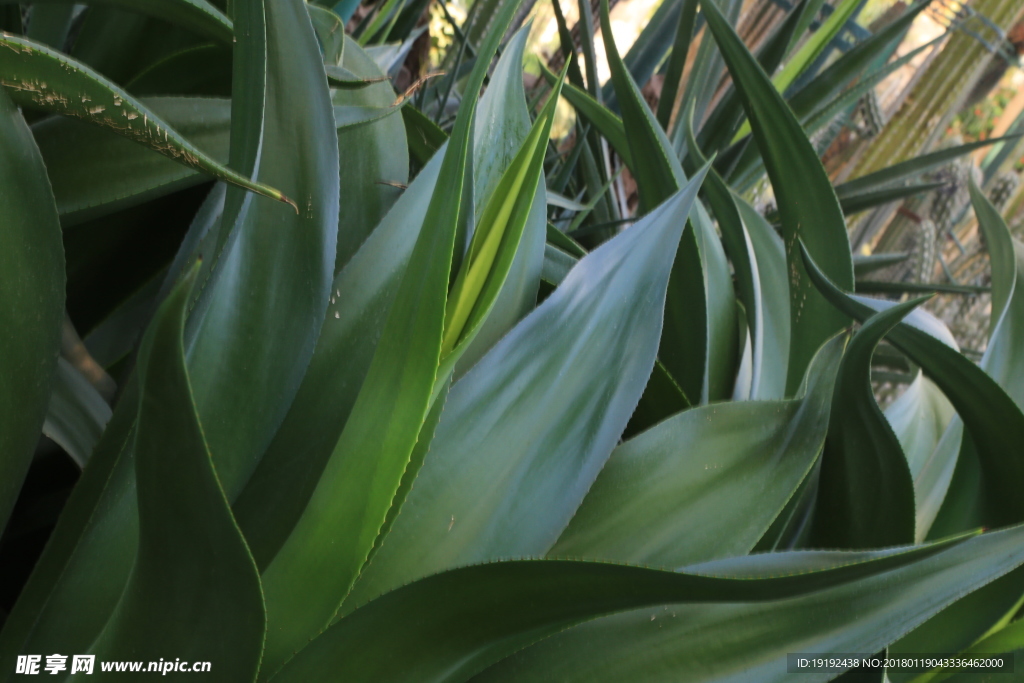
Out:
{"x": 304, "y": 585}
{"x": 991, "y": 417}
{"x": 194, "y": 588}
{"x": 807, "y": 203}
{"x": 32, "y": 281}
{"x": 865, "y": 488}
{"x": 34, "y": 75}
{"x": 706, "y": 483}
{"x": 491, "y": 485}
{"x": 484, "y": 613}
{"x": 689, "y": 643}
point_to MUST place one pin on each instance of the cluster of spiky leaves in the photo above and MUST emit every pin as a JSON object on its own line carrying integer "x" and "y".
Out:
{"x": 376, "y": 429}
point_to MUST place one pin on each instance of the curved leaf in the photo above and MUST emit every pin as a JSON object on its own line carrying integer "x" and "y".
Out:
{"x": 32, "y": 281}
{"x": 194, "y": 589}
{"x": 563, "y": 382}
{"x": 37, "y": 76}
{"x": 683, "y": 642}
{"x": 807, "y": 203}
{"x": 865, "y": 488}
{"x": 481, "y": 614}
{"x": 705, "y": 483}
{"x": 994, "y": 421}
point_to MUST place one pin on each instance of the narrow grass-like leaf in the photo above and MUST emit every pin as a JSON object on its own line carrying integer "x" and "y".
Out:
{"x": 865, "y": 488}
{"x": 32, "y": 281}
{"x": 863, "y": 201}
{"x": 807, "y": 203}
{"x": 706, "y": 483}
{"x": 490, "y": 486}
{"x": 912, "y": 167}
{"x": 194, "y": 588}
{"x": 34, "y": 75}
{"x": 304, "y": 584}
{"x": 677, "y": 61}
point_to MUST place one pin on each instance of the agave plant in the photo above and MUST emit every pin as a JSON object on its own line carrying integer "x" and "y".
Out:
{"x": 462, "y": 426}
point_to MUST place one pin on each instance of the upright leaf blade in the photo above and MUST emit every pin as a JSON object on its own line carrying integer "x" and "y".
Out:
{"x": 807, "y": 203}
{"x": 32, "y": 281}
{"x": 194, "y": 589}
{"x": 491, "y": 485}
{"x": 304, "y": 584}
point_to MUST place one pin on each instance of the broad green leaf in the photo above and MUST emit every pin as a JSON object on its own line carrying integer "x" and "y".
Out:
{"x": 197, "y": 15}
{"x": 305, "y": 585}
{"x": 1006, "y": 640}
{"x": 194, "y": 590}
{"x": 809, "y": 51}
{"x": 973, "y": 482}
{"x": 32, "y": 282}
{"x": 807, "y": 203}
{"x": 480, "y": 615}
{"x": 490, "y": 486}
{"x": 683, "y": 642}
{"x": 865, "y": 488}
{"x": 92, "y": 547}
{"x": 993, "y": 420}
{"x": 96, "y": 172}
{"x": 557, "y": 265}
{"x": 76, "y": 414}
{"x": 255, "y": 290}
{"x": 705, "y": 483}
{"x": 376, "y": 156}
{"x": 242, "y": 390}
{"x": 34, "y": 75}
{"x": 362, "y": 294}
